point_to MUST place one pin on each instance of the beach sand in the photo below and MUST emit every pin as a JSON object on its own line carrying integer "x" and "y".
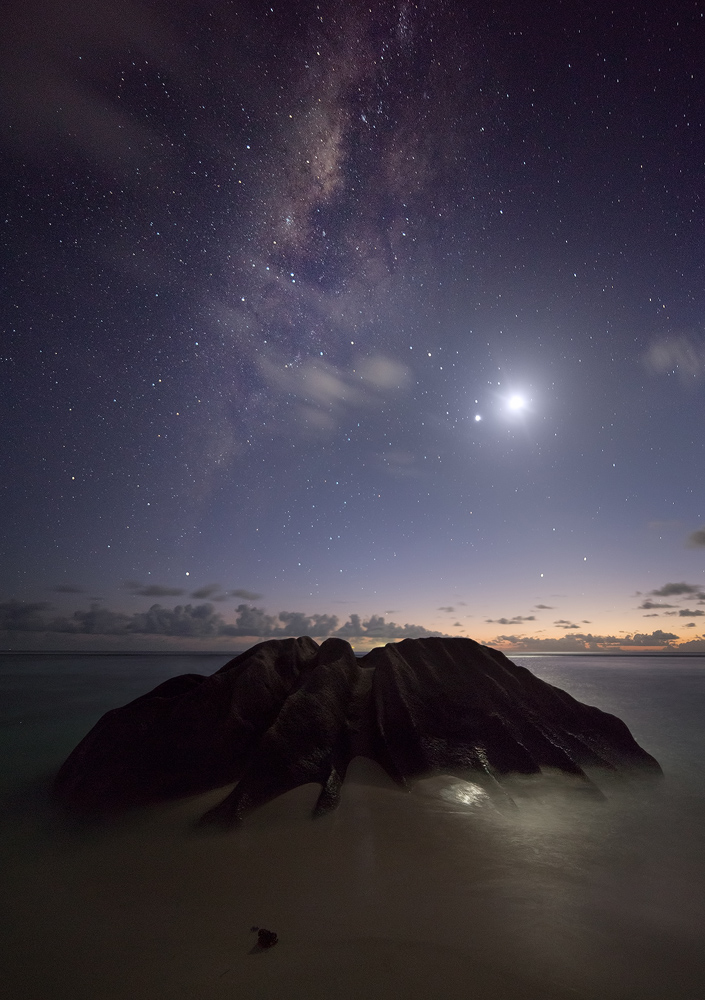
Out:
{"x": 428, "y": 894}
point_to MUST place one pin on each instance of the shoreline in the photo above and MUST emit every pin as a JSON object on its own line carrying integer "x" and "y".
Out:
{"x": 622, "y": 654}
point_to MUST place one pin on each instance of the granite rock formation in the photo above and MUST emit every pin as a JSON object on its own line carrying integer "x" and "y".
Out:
{"x": 288, "y": 711}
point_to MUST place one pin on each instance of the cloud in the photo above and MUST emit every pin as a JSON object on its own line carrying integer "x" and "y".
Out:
{"x": 398, "y": 462}
{"x": 516, "y": 620}
{"x": 690, "y": 625}
{"x": 251, "y": 621}
{"x": 686, "y": 613}
{"x": 256, "y": 622}
{"x": 564, "y": 623}
{"x": 655, "y": 638}
{"x": 376, "y": 627}
{"x": 447, "y": 609}
{"x": 647, "y": 605}
{"x": 246, "y": 595}
{"x": 212, "y": 591}
{"x": 67, "y": 588}
{"x": 315, "y": 382}
{"x": 675, "y": 589}
{"x": 324, "y": 392}
{"x": 581, "y": 642}
{"x": 679, "y": 355}
{"x": 96, "y": 621}
{"x": 696, "y": 539}
{"x": 296, "y": 623}
{"x": 544, "y": 607}
{"x": 200, "y": 621}
{"x": 185, "y": 620}
{"x": 152, "y": 589}
{"x": 384, "y": 373}
{"x": 18, "y": 616}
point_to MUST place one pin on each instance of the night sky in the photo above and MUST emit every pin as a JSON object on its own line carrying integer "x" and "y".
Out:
{"x": 318, "y": 317}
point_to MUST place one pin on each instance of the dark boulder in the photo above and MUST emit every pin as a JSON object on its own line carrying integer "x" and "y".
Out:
{"x": 287, "y": 712}
{"x": 265, "y": 938}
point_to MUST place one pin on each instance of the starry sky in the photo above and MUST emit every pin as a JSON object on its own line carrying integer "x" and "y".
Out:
{"x": 372, "y": 319}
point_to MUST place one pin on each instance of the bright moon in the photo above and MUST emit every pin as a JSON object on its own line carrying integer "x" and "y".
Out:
{"x": 516, "y": 403}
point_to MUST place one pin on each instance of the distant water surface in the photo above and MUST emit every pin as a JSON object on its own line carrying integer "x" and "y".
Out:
{"x": 437, "y": 893}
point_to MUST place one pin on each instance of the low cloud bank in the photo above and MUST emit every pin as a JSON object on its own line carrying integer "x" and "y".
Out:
{"x": 579, "y": 642}
{"x": 200, "y": 621}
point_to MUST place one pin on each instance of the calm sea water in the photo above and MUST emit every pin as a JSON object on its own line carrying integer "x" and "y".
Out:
{"x": 436, "y": 893}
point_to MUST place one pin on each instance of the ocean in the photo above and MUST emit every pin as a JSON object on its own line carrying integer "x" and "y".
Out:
{"x": 433, "y": 893}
